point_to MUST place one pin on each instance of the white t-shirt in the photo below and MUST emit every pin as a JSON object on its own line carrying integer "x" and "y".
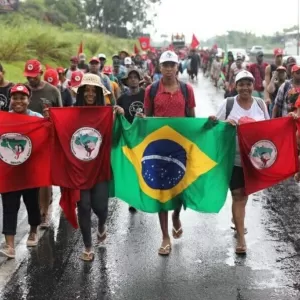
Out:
{"x": 237, "y": 114}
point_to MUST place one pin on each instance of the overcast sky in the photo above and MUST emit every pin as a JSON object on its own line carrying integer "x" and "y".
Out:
{"x": 195, "y": 16}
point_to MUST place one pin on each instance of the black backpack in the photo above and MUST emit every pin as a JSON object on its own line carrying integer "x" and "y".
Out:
{"x": 154, "y": 89}
{"x": 230, "y": 102}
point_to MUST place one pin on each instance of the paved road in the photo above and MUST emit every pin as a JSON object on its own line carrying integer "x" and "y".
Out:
{"x": 202, "y": 265}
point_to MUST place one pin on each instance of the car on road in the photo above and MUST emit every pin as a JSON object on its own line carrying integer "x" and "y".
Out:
{"x": 256, "y": 49}
{"x": 235, "y": 51}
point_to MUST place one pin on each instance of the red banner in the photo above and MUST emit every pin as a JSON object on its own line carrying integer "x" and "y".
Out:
{"x": 24, "y": 152}
{"x": 268, "y": 151}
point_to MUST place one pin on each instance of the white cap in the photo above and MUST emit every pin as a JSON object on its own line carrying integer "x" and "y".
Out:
{"x": 102, "y": 55}
{"x": 243, "y": 75}
{"x": 127, "y": 61}
{"x": 168, "y": 56}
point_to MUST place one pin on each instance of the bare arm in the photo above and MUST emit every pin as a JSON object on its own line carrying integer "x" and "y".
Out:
{"x": 271, "y": 87}
{"x": 267, "y": 81}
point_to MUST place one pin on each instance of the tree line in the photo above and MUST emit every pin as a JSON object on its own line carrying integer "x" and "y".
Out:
{"x": 122, "y": 18}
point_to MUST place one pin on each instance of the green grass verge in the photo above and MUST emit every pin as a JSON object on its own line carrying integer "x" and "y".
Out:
{"x": 51, "y": 45}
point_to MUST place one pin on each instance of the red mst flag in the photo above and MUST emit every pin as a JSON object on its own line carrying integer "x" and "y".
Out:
{"x": 144, "y": 42}
{"x": 268, "y": 151}
{"x": 24, "y": 152}
{"x": 136, "y": 49}
{"x": 195, "y": 43}
{"x": 80, "y": 48}
{"x": 80, "y": 153}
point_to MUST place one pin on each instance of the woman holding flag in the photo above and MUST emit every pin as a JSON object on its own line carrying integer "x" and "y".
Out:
{"x": 19, "y": 100}
{"x": 240, "y": 109}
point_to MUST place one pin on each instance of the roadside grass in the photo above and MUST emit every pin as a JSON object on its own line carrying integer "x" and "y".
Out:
{"x": 51, "y": 45}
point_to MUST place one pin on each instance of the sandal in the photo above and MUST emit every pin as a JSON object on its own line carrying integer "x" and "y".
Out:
{"x": 177, "y": 233}
{"x": 102, "y": 236}
{"x": 241, "y": 250}
{"x": 87, "y": 256}
{"x": 164, "y": 250}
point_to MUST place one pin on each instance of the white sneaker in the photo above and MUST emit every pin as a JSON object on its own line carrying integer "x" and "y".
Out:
{"x": 32, "y": 239}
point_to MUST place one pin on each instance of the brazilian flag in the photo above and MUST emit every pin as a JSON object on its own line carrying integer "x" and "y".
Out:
{"x": 160, "y": 163}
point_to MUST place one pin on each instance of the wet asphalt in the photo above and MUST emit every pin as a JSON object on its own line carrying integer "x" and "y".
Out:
{"x": 202, "y": 264}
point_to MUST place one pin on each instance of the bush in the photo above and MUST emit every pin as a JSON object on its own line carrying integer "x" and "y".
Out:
{"x": 21, "y": 40}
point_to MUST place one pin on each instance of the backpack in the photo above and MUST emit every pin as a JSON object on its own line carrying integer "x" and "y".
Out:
{"x": 184, "y": 90}
{"x": 285, "y": 89}
{"x": 230, "y": 102}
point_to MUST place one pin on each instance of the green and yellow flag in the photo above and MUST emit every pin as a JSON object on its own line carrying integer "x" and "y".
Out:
{"x": 159, "y": 163}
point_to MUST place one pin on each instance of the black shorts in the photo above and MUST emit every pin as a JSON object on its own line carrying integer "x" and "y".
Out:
{"x": 237, "y": 180}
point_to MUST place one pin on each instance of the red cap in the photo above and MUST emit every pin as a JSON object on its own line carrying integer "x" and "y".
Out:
{"x": 76, "y": 79}
{"x": 295, "y": 68}
{"x": 74, "y": 59}
{"x": 281, "y": 68}
{"x": 107, "y": 70}
{"x": 60, "y": 70}
{"x": 19, "y": 88}
{"x": 51, "y": 76}
{"x": 33, "y": 68}
{"x": 278, "y": 52}
{"x": 95, "y": 59}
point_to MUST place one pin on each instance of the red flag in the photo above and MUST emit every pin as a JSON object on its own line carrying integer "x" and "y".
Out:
{"x": 195, "y": 43}
{"x": 136, "y": 49}
{"x": 268, "y": 157}
{"x": 24, "y": 152}
{"x": 144, "y": 42}
{"x": 80, "y": 49}
{"x": 80, "y": 152}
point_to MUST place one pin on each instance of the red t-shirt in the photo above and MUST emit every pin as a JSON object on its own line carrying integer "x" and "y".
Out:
{"x": 168, "y": 104}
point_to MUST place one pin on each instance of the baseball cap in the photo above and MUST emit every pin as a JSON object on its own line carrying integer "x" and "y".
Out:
{"x": 131, "y": 70}
{"x": 33, "y": 68}
{"x": 75, "y": 81}
{"x": 239, "y": 56}
{"x": 107, "y": 70}
{"x": 82, "y": 56}
{"x": 51, "y": 76}
{"x": 281, "y": 68}
{"x": 291, "y": 61}
{"x": 244, "y": 75}
{"x": 94, "y": 59}
{"x": 295, "y": 68}
{"x": 74, "y": 59}
{"x": 259, "y": 53}
{"x": 20, "y": 88}
{"x": 168, "y": 56}
{"x": 60, "y": 70}
{"x": 278, "y": 52}
{"x": 102, "y": 55}
{"x": 127, "y": 61}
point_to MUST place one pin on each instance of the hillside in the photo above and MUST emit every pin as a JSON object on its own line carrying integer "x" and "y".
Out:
{"x": 20, "y": 40}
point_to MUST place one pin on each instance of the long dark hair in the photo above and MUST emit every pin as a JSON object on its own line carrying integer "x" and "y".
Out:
{"x": 100, "y": 101}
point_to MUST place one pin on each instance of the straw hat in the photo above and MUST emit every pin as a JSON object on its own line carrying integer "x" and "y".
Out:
{"x": 93, "y": 79}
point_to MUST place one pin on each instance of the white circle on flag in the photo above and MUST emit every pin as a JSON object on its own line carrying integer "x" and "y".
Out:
{"x": 15, "y": 148}
{"x": 86, "y": 143}
{"x": 263, "y": 154}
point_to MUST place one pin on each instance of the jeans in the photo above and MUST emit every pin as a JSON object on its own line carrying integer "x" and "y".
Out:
{"x": 95, "y": 199}
{"x": 11, "y": 204}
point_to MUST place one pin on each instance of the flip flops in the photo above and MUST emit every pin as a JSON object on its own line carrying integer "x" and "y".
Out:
{"x": 241, "y": 250}
{"x": 165, "y": 250}
{"x": 102, "y": 236}
{"x": 87, "y": 256}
